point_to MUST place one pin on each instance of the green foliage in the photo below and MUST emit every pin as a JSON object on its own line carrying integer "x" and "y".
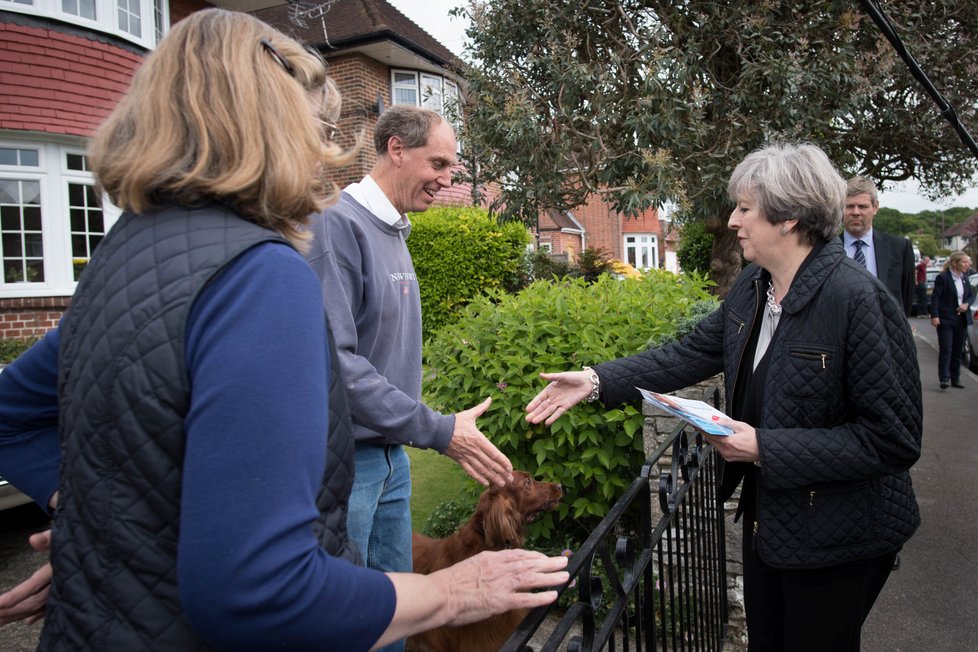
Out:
{"x": 11, "y": 348}
{"x": 592, "y": 263}
{"x": 447, "y": 517}
{"x": 685, "y": 324}
{"x": 500, "y": 345}
{"x": 649, "y": 102}
{"x": 544, "y": 267}
{"x": 695, "y": 247}
{"x": 460, "y": 253}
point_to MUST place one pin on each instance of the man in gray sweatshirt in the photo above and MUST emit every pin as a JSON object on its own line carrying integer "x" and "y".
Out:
{"x": 373, "y": 307}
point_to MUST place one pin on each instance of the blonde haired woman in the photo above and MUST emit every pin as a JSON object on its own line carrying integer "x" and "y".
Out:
{"x": 950, "y": 315}
{"x": 202, "y": 493}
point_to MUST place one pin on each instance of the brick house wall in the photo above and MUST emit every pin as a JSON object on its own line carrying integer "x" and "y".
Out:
{"x": 60, "y": 79}
{"x": 59, "y": 83}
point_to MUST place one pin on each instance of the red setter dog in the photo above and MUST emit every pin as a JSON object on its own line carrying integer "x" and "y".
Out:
{"x": 499, "y": 522}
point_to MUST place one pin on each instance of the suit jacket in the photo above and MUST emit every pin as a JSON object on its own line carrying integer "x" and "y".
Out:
{"x": 944, "y": 299}
{"x": 895, "y": 266}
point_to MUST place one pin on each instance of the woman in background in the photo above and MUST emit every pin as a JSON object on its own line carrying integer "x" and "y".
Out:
{"x": 201, "y": 497}
{"x": 950, "y": 314}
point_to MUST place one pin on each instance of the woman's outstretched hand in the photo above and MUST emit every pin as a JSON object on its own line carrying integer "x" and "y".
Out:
{"x": 565, "y": 390}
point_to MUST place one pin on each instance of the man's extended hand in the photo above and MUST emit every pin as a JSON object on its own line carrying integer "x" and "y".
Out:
{"x": 27, "y": 600}
{"x": 474, "y": 453}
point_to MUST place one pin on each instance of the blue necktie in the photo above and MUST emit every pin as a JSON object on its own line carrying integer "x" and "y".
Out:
{"x": 858, "y": 254}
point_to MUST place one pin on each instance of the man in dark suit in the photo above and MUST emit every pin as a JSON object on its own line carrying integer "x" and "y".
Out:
{"x": 887, "y": 257}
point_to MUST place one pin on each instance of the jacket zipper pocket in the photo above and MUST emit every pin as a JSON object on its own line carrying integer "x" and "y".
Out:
{"x": 818, "y": 356}
{"x": 845, "y": 489}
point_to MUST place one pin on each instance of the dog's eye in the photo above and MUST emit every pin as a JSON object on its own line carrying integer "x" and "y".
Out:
{"x": 528, "y": 482}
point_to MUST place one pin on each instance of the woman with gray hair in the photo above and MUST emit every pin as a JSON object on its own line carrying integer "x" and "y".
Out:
{"x": 823, "y": 390}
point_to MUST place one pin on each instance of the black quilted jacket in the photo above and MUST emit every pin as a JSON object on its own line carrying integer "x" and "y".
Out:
{"x": 124, "y": 392}
{"x": 841, "y": 422}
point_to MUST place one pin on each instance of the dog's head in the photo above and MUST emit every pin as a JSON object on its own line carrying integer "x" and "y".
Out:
{"x": 505, "y": 511}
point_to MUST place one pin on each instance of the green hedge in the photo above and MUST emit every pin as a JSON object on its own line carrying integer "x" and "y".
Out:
{"x": 500, "y": 345}
{"x": 461, "y": 253}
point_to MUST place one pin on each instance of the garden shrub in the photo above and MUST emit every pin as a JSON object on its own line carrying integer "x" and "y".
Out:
{"x": 695, "y": 247}
{"x": 460, "y": 253}
{"x": 12, "y": 348}
{"x": 501, "y": 343}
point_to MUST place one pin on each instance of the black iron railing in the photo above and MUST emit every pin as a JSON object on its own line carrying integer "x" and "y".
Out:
{"x": 642, "y": 585}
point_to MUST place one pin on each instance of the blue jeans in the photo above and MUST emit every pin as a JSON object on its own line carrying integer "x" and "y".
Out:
{"x": 379, "y": 520}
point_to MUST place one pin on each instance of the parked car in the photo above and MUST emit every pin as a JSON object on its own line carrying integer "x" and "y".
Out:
{"x": 970, "y": 356}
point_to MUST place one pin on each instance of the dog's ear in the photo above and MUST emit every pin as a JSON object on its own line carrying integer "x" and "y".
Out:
{"x": 503, "y": 523}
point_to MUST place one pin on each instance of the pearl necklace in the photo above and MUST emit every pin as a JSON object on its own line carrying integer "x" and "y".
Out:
{"x": 772, "y": 305}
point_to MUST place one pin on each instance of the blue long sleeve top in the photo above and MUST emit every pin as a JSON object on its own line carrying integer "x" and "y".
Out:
{"x": 249, "y": 570}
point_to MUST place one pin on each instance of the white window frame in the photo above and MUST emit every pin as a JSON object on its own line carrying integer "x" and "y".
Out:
{"x": 430, "y": 91}
{"x": 635, "y": 244}
{"x": 106, "y": 17}
{"x": 54, "y": 176}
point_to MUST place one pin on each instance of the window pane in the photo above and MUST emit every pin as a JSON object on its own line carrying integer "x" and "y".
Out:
{"x": 29, "y": 157}
{"x": 33, "y": 245}
{"x": 13, "y": 270}
{"x": 8, "y": 156}
{"x": 32, "y": 218}
{"x": 12, "y": 244}
{"x": 10, "y": 218}
{"x": 76, "y": 194}
{"x": 79, "y": 246}
{"x": 77, "y": 219}
{"x": 91, "y": 199}
{"x": 405, "y": 79}
{"x": 9, "y": 191}
{"x": 35, "y": 271}
{"x": 31, "y": 192}
{"x": 95, "y": 221}
{"x": 76, "y": 162}
{"x": 93, "y": 242}
{"x": 405, "y": 96}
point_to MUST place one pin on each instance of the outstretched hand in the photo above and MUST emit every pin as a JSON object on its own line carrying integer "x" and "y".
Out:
{"x": 565, "y": 390}
{"x": 27, "y": 600}
{"x": 478, "y": 456}
{"x": 494, "y": 582}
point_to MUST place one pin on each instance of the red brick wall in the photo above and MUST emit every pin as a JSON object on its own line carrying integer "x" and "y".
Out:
{"x": 360, "y": 79}
{"x": 59, "y": 83}
{"x": 30, "y": 317}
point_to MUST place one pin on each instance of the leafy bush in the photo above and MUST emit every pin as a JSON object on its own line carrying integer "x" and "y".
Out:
{"x": 592, "y": 263}
{"x": 695, "y": 247}
{"x": 447, "y": 517}
{"x": 460, "y": 253}
{"x": 500, "y": 345}
{"x": 10, "y": 349}
{"x": 686, "y": 324}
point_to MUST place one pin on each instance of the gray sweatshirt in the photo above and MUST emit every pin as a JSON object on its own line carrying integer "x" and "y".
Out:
{"x": 373, "y": 306}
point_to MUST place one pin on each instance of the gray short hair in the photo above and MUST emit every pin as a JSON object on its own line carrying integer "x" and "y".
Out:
{"x": 793, "y": 182}
{"x": 859, "y": 185}
{"x": 409, "y": 123}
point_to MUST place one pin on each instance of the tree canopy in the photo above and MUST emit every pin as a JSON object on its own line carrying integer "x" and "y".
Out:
{"x": 648, "y": 101}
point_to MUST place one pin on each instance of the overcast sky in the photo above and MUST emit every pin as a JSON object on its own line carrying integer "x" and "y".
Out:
{"x": 432, "y": 16}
